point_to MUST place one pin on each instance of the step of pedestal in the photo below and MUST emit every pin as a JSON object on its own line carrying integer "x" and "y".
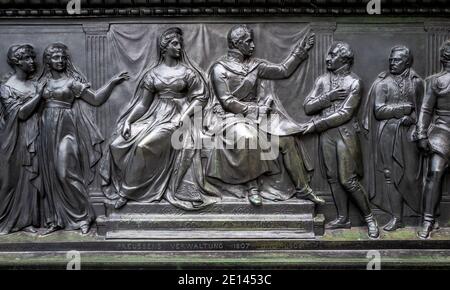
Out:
{"x": 189, "y": 221}
{"x": 226, "y": 206}
{"x": 208, "y": 234}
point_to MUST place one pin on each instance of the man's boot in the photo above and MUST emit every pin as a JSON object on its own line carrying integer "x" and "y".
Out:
{"x": 362, "y": 202}
{"x": 341, "y": 202}
{"x": 427, "y": 227}
{"x": 431, "y": 199}
{"x": 396, "y": 201}
{"x": 372, "y": 227}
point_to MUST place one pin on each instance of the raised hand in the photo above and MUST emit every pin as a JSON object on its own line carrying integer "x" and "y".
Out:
{"x": 118, "y": 79}
{"x": 308, "y": 42}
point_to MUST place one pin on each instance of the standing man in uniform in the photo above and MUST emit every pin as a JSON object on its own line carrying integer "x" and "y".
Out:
{"x": 334, "y": 101}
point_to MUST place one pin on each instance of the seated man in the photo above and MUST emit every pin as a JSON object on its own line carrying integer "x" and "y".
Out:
{"x": 236, "y": 79}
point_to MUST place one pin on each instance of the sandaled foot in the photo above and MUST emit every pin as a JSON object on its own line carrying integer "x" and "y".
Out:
{"x": 30, "y": 229}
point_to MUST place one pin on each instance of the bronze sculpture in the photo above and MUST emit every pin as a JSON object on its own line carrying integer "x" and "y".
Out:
{"x": 53, "y": 145}
{"x": 141, "y": 163}
{"x": 334, "y": 101}
{"x": 236, "y": 81}
{"x": 434, "y": 139}
{"x": 20, "y": 188}
{"x": 69, "y": 141}
{"x": 391, "y": 114}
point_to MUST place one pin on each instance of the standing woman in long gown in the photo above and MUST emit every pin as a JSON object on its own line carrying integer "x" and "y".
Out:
{"x": 69, "y": 146}
{"x": 19, "y": 186}
{"x": 142, "y": 164}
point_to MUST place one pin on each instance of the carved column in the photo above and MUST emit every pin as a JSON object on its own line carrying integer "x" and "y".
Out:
{"x": 97, "y": 70}
{"x": 437, "y": 34}
{"x": 97, "y": 64}
{"x": 97, "y": 52}
{"x": 324, "y": 38}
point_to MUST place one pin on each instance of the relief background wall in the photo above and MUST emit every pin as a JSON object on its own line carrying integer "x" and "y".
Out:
{"x": 103, "y": 47}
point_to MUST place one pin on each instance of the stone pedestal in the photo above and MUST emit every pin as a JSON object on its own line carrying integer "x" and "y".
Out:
{"x": 229, "y": 219}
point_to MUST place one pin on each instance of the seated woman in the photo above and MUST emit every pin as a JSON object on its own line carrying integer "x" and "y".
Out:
{"x": 145, "y": 162}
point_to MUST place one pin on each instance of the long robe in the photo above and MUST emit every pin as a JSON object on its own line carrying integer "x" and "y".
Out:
{"x": 236, "y": 83}
{"x": 19, "y": 182}
{"x": 395, "y": 145}
{"x": 69, "y": 149}
{"x": 159, "y": 171}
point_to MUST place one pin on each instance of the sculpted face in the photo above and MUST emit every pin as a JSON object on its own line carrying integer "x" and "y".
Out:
{"x": 173, "y": 48}
{"x": 334, "y": 59}
{"x": 58, "y": 61}
{"x": 246, "y": 45}
{"x": 27, "y": 64}
{"x": 398, "y": 62}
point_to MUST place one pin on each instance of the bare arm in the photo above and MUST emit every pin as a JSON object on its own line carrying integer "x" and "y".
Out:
{"x": 28, "y": 108}
{"x": 138, "y": 111}
{"x": 141, "y": 107}
{"x": 98, "y": 97}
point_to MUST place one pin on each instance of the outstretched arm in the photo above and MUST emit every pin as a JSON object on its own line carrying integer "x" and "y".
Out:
{"x": 98, "y": 97}
{"x": 285, "y": 69}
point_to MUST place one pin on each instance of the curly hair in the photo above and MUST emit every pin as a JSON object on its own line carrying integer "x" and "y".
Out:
{"x": 445, "y": 51}
{"x": 345, "y": 51}
{"x": 17, "y": 52}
